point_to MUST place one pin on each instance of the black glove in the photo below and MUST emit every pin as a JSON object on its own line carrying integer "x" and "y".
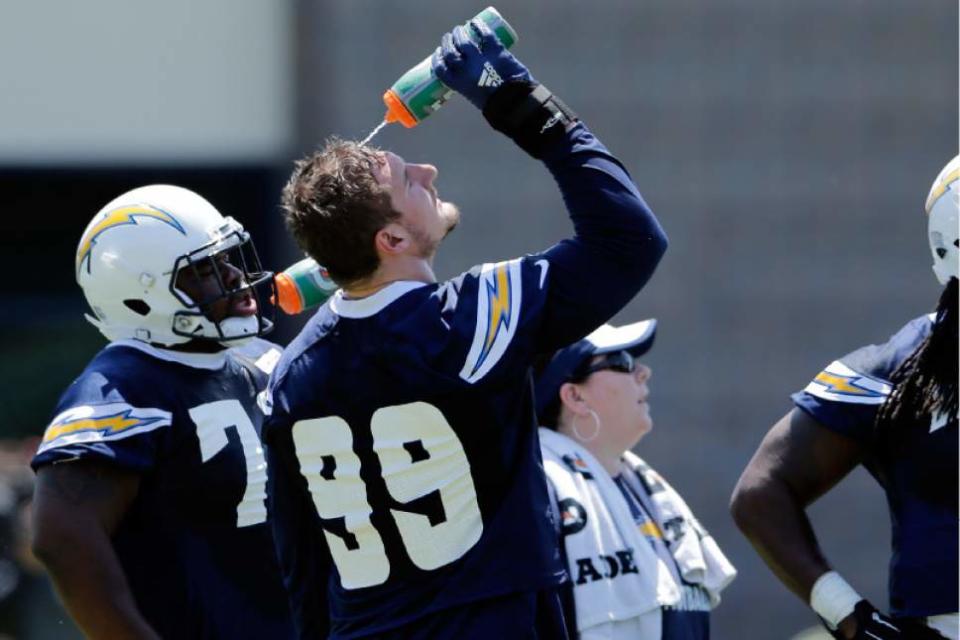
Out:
{"x": 476, "y": 66}
{"x": 486, "y": 74}
{"x": 873, "y": 625}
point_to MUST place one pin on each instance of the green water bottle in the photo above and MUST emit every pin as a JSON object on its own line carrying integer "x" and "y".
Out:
{"x": 303, "y": 285}
{"x": 418, "y": 93}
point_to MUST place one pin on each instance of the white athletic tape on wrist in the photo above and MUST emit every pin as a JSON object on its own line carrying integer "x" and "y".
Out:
{"x": 833, "y": 599}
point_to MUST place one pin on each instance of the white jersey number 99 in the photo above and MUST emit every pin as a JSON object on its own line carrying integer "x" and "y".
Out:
{"x": 426, "y": 471}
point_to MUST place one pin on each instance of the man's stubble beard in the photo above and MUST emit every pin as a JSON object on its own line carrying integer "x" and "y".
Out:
{"x": 452, "y": 216}
{"x": 427, "y": 246}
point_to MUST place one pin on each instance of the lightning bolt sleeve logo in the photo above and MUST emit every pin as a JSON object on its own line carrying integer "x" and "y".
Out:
{"x": 498, "y": 315}
{"x": 498, "y": 305}
{"x": 840, "y": 383}
{"x": 92, "y": 424}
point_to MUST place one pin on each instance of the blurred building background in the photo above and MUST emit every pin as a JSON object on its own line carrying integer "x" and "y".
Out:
{"x": 787, "y": 148}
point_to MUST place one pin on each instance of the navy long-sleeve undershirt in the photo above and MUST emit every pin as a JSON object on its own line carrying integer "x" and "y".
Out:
{"x": 617, "y": 241}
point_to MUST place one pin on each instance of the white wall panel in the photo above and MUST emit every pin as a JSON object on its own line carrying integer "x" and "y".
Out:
{"x": 119, "y": 81}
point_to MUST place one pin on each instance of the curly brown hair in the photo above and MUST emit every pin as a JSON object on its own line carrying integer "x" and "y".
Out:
{"x": 334, "y": 207}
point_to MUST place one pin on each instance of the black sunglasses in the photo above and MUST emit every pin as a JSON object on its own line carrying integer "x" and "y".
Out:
{"x": 620, "y": 361}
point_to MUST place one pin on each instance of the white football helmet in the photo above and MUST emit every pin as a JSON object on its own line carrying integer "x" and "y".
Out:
{"x": 943, "y": 224}
{"x": 132, "y": 252}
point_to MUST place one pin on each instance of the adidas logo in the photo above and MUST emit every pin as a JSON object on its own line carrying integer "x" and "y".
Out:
{"x": 489, "y": 77}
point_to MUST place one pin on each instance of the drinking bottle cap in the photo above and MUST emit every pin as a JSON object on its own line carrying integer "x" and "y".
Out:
{"x": 288, "y": 296}
{"x": 397, "y": 111}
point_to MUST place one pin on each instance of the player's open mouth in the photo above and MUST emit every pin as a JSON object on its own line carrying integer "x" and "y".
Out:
{"x": 244, "y": 305}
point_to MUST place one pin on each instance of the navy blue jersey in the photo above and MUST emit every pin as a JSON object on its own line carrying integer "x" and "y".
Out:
{"x": 194, "y": 545}
{"x": 919, "y": 478}
{"x": 407, "y": 476}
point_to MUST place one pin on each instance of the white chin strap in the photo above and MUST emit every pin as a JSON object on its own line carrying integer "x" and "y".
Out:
{"x": 236, "y": 330}
{"x": 239, "y": 326}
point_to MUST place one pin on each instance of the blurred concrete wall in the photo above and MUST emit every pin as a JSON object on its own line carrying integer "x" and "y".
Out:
{"x": 141, "y": 82}
{"x": 787, "y": 148}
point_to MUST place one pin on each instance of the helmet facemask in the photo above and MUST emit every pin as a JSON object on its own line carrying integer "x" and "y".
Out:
{"x": 220, "y": 275}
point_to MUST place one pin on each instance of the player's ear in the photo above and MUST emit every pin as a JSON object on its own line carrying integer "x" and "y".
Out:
{"x": 391, "y": 240}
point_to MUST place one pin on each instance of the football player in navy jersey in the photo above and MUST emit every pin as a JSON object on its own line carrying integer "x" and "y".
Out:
{"x": 150, "y": 504}
{"x": 407, "y": 492}
{"x": 893, "y": 408}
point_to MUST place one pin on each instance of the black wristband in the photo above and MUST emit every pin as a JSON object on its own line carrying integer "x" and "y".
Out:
{"x": 529, "y": 115}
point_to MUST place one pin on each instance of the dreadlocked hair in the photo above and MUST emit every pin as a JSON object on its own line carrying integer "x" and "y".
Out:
{"x": 925, "y": 384}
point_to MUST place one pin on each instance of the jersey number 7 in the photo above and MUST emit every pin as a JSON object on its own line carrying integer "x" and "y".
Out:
{"x": 421, "y": 459}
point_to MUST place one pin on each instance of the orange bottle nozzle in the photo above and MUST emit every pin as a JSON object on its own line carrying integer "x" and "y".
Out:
{"x": 397, "y": 111}
{"x": 288, "y": 296}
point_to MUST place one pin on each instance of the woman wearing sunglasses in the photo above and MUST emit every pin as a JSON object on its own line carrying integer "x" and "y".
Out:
{"x": 639, "y": 563}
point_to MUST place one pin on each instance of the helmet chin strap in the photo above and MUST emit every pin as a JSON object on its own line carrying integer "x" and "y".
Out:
{"x": 236, "y": 329}
{"x": 246, "y": 326}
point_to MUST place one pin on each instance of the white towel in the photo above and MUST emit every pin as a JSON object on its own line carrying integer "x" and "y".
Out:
{"x": 616, "y": 574}
{"x": 699, "y": 558}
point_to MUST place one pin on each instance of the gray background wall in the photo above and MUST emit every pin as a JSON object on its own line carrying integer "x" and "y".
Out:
{"x": 787, "y": 148}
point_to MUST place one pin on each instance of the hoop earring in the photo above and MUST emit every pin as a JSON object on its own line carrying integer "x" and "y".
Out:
{"x": 596, "y": 431}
